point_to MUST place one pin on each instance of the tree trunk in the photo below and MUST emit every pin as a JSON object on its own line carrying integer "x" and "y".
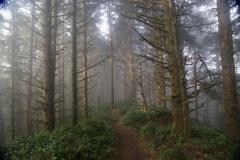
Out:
{"x": 2, "y": 135}
{"x": 160, "y": 80}
{"x": 183, "y": 81}
{"x": 30, "y": 78}
{"x": 149, "y": 89}
{"x": 142, "y": 89}
{"x": 131, "y": 64}
{"x": 178, "y": 97}
{"x": 63, "y": 75}
{"x": 111, "y": 58}
{"x": 50, "y": 61}
{"x": 85, "y": 64}
{"x": 13, "y": 68}
{"x": 228, "y": 70}
{"x": 74, "y": 64}
{"x": 195, "y": 81}
{"x": 55, "y": 50}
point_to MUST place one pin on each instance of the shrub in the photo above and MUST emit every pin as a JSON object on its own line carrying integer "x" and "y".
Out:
{"x": 161, "y": 136}
{"x": 148, "y": 130}
{"x": 127, "y": 106}
{"x": 2, "y": 152}
{"x": 136, "y": 119}
{"x": 38, "y": 147}
{"x": 199, "y": 130}
{"x": 173, "y": 154}
{"x": 96, "y": 140}
{"x": 234, "y": 151}
{"x": 91, "y": 139}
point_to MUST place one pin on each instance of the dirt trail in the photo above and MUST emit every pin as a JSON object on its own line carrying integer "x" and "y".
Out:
{"x": 129, "y": 147}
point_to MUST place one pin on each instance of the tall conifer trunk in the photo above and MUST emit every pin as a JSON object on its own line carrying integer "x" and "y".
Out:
{"x": 85, "y": 64}
{"x": 175, "y": 62}
{"x": 13, "y": 68}
{"x": 30, "y": 78}
{"x": 74, "y": 64}
{"x": 228, "y": 70}
{"x": 50, "y": 60}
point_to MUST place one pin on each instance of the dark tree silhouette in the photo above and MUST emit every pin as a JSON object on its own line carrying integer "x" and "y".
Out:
{"x": 3, "y": 3}
{"x": 236, "y": 3}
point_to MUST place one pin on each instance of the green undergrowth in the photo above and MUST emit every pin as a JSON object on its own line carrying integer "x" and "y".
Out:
{"x": 204, "y": 143}
{"x": 139, "y": 119}
{"x": 91, "y": 139}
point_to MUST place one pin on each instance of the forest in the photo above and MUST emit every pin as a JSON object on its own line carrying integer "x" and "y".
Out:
{"x": 119, "y": 80}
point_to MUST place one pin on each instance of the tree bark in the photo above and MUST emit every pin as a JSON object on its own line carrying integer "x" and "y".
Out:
{"x": 13, "y": 68}
{"x": 85, "y": 65}
{"x": 50, "y": 62}
{"x": 111, "y": 58}
{"x": 178, "y": 97}
{"x": 2, "y": 135}
{"x": 228, "y": 70}
{"x": 195, "y": 82}
{"x": 131, "y": 67}
{"x": 141, "y": 85}
{"x": 63, "y": 75}
{"x": 160, "y": 80}
{"x": 74, "y": 64}
{"x": 30, "y": 78}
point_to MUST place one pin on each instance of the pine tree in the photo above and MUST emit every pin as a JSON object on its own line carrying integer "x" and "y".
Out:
{"x": 228, "y": 70}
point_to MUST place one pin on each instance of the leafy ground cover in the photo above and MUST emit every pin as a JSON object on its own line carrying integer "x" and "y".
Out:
{"x": 91, "y": 139}
{"x": 204, "y": 143}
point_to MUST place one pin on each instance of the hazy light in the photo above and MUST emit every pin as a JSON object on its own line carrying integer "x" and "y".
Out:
{"x": 25, "y": 11}
{"x": 6, "y": 14}
{"x": 5, "y": 32}
{"x": 5, "y": 64}
{"x": 103, "y": 25}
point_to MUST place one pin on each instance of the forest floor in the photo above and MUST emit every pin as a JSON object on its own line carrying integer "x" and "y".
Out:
{"x": 129, "y": 147}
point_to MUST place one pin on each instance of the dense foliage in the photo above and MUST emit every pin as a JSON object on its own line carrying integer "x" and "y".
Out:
{"x": 204, "y": 142}
{"x": 91, "y": 139}
{"x": 137, "y": 119}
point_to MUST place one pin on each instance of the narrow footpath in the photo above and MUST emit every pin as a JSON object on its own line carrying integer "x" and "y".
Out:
{"x": 129, "y": 146}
